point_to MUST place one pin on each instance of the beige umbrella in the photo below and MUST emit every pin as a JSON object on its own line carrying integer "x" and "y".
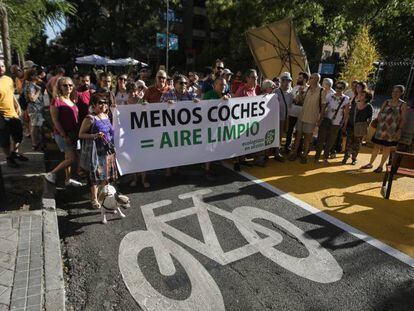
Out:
{"x": 276, "y": 49}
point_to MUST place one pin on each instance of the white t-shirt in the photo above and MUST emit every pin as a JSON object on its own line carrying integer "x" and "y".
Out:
{"x": 332, "y": 103}
{"x": 284, "y": 107}
{"x": 121, "y": 98}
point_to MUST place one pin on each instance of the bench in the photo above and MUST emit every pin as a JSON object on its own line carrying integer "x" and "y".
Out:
{"x": 401, "y": 163}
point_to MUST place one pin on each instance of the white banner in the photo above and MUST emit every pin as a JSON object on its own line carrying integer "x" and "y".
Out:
{"x": 155, "y": 136}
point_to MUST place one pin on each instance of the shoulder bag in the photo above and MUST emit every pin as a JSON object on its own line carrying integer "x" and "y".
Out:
{"x": 326, "y": 122}
{"x": 360, "y": 128}
{"x": 89, "y": 154}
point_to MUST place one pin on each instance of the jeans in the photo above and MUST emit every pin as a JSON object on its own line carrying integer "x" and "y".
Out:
{"x": 291, "y": 126}
{"x": 327, "y": 136}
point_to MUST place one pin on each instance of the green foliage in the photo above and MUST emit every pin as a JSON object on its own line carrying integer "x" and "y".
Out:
{"x": 27, "y": 19}
{"x": 362, "y": 55}
{"x": 317, "y": 22}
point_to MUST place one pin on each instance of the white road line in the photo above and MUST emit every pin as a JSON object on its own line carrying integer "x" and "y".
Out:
{"x": 351, "y": 230}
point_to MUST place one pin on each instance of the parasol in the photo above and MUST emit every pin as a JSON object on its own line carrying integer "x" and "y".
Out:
{"x": 276, "y": 49}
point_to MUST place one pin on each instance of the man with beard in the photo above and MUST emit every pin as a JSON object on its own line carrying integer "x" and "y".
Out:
{"x": 298, "y": 96}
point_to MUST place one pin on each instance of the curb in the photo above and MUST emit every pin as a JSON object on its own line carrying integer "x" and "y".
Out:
{"x": 54, "y": 298}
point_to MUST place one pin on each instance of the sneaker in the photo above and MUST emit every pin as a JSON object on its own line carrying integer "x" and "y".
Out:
{"x": 344, "y": 160}
{"x": 354, "y": 162}
{"x": 11, "y": 162}
{"x": 19, "y": 157}
{"x": 73, "y": 183}
{"x": 261, "y": 161}
{"x": 366, "y": 166}
{"x": 50, "y": 177}
{"x": 332, "y": 155}
{"x": 280, "y": 158}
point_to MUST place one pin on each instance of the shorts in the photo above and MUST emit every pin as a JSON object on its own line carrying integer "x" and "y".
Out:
{"x": 63, "y": 146}
{"x": 36, "y": 119}
{"x": 10, "y": 127}
{"x": 304, "y": 127}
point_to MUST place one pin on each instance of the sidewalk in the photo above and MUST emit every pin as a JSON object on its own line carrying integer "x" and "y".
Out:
{"x": 30, "y": 262}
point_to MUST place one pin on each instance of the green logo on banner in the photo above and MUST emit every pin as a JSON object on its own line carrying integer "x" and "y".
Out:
{"x": 270, "y": 137}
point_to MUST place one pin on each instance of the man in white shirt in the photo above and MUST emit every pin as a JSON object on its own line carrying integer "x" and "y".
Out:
{"x": 285, "y": 97}
{"x": 298, "y": 93}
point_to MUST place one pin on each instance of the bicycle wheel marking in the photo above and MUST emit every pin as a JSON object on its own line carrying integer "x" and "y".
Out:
{"x": 319, "y": 266}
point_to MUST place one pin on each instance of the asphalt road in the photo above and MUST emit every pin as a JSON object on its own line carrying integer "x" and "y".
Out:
{"x": 295, "y": 261}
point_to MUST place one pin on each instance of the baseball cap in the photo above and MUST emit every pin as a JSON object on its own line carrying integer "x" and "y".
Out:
{"x": 286, "y": 76}
{"x": 29, "y": 64}
{"x": 227, "y": 71}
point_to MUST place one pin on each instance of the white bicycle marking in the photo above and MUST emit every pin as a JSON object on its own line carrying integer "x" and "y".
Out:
{"x": 319, "y": 266}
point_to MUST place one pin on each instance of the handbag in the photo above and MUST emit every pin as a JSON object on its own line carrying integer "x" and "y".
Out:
{"x": 360, "y": 128}
{"x": 89, "y": 154}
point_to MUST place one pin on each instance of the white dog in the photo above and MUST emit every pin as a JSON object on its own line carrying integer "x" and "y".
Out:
{"x": 111, "y": 200}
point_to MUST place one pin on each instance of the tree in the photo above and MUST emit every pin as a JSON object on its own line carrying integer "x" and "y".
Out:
{"x": 362, "y": 55}
{"x": 5, "y": 34}
{"x": 28, "y": 18}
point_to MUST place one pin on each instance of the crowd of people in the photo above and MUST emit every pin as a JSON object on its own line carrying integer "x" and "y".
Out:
{"x": 329, "y": 117}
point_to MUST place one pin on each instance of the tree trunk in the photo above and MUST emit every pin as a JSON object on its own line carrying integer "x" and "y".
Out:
{"x": 5, "y": 36}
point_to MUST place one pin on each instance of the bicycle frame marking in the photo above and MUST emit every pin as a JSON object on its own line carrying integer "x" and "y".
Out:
{"x": 319, "y": 266}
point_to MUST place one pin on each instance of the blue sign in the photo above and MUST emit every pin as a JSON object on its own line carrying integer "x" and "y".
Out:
{"x": 162, "y": 39}
{"x": 326, "y": 69}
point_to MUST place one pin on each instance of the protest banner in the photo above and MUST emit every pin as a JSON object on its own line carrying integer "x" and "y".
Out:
{"x": 155, "y": 136}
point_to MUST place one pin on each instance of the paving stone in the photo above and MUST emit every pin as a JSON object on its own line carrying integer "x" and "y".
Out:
{"x": 4, "y": 307}
{"x": 34, "y": 290}
{"x": 5, "y": 223}
{"x": 35, "y": 273}
{"x": 34, "y": 300}
{"x": 6, "y": 277}
{"x": 24, "y": 252}
{"x": 16, "y": 222}
{"x": 35, "y": 282}
{"x": 18, "y": 276}
{"x": 33, "y": 308}
{"x": 20, "y": 284}
{"x": 17, "y": 304}
{"x": 7, "y": 260}
{"x": 7, "y": 246}
{"x": 19, "y": 293}
{"x": 5, "y": 295}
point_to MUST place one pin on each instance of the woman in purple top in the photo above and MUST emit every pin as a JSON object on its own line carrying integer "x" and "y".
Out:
{"x": 64, "y": 113}
{"x": 97, "y": 126}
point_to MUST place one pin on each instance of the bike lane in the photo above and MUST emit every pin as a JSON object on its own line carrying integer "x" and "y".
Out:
{"x": 350, "y": 274}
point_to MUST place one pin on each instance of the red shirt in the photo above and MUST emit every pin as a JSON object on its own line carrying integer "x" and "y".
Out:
{"x": 68, "y": 116}
{"x": 153, "y": 94}
{"x": 83, "y": 98}
{"x": 244, "y": 91}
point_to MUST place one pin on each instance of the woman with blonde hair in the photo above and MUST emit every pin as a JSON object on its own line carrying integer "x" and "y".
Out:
{"x": 64, "y": 113}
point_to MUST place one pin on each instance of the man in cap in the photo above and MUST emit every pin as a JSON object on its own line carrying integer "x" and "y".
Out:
{"x": 285, "y": 97}
{"x": 154, "y": 92}
{"x": 227, "y": 74}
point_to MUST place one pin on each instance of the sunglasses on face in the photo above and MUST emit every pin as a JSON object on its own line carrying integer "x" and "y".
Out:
{"x": 67, "y": 85}
{"x": 339, "y": 87}
{"x": 182, "y": 82}
{"x": 140, "y": 87}
{"x": 122, "y": 79}
{"x": 220, "y": 68}
{"x": 103, "y": 102}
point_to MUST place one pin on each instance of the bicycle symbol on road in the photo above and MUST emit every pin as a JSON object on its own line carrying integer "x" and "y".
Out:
{"x": 319, "y": 266}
